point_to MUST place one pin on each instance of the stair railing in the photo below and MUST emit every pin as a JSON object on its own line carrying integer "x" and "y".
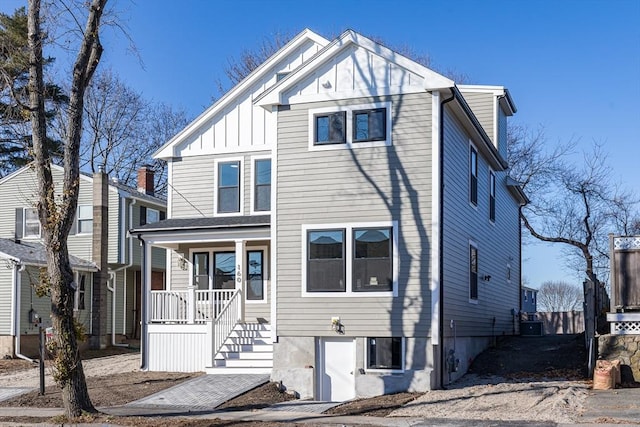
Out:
{"x": 221, "y": 327}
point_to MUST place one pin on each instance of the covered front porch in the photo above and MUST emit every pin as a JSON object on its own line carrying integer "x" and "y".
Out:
{"x": 214, "y": 311}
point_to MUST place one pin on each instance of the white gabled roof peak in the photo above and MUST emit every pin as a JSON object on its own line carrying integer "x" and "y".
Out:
{"x": 306, "y": 35}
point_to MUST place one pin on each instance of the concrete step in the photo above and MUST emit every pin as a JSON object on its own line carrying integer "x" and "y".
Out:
{"x": 255, "y": 348}
{"x": 246, "y": 363}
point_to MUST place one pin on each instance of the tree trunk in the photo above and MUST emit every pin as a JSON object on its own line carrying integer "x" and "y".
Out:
{"x": 56, "y": 216}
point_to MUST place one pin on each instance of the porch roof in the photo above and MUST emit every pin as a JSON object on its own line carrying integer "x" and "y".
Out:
{"x": 204, "y": 223}
{"x": 33, "y": 253}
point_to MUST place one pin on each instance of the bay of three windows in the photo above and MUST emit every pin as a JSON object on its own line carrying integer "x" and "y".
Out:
{"x": 229, "y": 196}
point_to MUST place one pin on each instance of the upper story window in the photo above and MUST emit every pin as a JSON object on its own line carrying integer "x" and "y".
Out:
{"x": 525, "y": 296}
{"x": 473, "y": 272}
{"x": 153, "y": 215}
{"x": 150, "y": 215}
{"x": 262, "y": 185}
{"x": 330, "y": 128}
{"x": 340, "y": 127}
{"x": 228, "y": 187}
{"x": 492, "y": 196}
{"x": 473, "y": 175}
{"x": 370, "y": 125}
{"x": 85, "y": 219}
{"x": 350, "y": 259}
{"x": 31, "y": 223}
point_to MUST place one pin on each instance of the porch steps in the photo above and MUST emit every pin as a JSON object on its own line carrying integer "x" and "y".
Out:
{"x": 248, "y": 350}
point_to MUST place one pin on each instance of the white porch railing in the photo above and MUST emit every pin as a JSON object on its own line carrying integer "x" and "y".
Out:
{"x": 189, "y": 305}
{"x": 224, "y": 323}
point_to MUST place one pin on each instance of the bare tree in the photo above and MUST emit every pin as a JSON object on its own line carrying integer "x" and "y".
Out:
{"x": 559, "y": 296}
{"x": 56, "y": 208}
{"x": 573, "y": 204}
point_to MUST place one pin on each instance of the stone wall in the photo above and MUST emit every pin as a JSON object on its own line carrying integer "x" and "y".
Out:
{"x": 626, "y": 348}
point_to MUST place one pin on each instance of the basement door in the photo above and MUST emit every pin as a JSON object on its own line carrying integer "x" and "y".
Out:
{"x": 336, "y": 380}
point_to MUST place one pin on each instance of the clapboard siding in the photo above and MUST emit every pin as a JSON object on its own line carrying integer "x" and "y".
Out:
{"x": 498, "y": 244}
{"x": 350, "y": 186}
{"x": 6, "y": 298}
{"x": 194, "y": 184}
{"x": 484, "y": 108}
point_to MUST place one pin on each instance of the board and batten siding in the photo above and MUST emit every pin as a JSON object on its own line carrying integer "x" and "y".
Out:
{"x": 497, "y": 243}
{"x": 356, "y": 186}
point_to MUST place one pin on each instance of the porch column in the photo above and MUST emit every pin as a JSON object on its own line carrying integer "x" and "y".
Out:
{"x": 240, "y": 274}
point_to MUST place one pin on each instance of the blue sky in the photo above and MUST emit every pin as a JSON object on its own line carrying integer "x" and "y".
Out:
{"x": 572, "y": 66}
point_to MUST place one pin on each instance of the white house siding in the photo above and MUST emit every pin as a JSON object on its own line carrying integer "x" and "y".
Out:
{"x": 316, "y": 187}
{"x": 242, "y": 126}
{"x": 483, "y": 106}
{"x": 6, "y": 294}
{"x": 497, "y": 243}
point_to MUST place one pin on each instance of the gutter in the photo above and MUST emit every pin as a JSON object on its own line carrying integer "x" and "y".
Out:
{"x": 441, "y": 240}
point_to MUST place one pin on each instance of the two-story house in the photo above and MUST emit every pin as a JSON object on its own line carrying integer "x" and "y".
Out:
{"x": 108, "y": 308}
{"x": 341, "y": 219}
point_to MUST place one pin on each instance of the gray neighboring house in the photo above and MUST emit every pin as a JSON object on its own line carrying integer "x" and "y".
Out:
{"x": 342, "y": 219}
{"x": 529, "y": 300}
{"x": 108, "y": 308}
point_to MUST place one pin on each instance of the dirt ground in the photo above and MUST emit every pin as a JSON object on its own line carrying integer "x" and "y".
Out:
{"x": 522, "y": 378}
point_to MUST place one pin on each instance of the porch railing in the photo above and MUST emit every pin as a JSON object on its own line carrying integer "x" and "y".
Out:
{"x": 188, "y": 305}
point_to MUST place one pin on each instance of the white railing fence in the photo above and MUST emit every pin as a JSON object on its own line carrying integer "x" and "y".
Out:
{"x": 224, "y": 322}
{"x": 189, "y": 305}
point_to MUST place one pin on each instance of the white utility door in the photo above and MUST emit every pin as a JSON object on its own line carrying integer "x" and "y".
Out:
{"x": 337, "y": 362}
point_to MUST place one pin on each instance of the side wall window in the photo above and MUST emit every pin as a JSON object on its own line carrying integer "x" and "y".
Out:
{"x": 473, "y": 175}
{"x": 262, "y": 185}
{"x": 330, "y": 128}
{"x": 31, "y": 223}
{"x": 228, "y": 187}
{"x": 473, "y": 272}
{"x": 85, "y": 219}
{"x": 492, "y": 196}
{"x": 326, "y": 267}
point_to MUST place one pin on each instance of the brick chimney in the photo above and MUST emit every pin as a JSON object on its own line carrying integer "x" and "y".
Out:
{"x": 100, "y": 253}
{"x": 145, "y": 180}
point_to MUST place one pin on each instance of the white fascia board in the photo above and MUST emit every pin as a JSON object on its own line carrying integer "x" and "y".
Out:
{"x": 10, "y": 257}
{"x": 506, "y": 101}
{"x": 432, "y": 80}
{"x": 171, "y": 240}
{"x": 166, "y": 151}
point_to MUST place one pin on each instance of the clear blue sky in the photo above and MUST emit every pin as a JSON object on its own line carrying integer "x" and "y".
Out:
{"x": 571, "y": 66}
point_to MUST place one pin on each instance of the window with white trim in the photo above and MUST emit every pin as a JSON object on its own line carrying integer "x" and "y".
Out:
{"x": 350, "y": 126}
{"x": 85, "y": 219}
{"x": 473, "y": 175}
{"x": 385, "y": 353}
{"x": 81, "y": 291}
{"x": 492, "y": 196}
{"x": 228, "y": 187}
{"x": 31, "y": 224}
{"x": 262, "y": 185}
{"x": 473, "y": 272}
{"x": 349, "y": 259}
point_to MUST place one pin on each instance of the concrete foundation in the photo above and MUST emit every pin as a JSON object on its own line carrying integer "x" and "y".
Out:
{"x": 625, "y": 348}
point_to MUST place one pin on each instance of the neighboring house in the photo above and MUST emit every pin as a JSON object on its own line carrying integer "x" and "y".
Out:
{"x": 529, "y": 300}
{"x": 108, "y": 308}
{"x": 341, "y": 219}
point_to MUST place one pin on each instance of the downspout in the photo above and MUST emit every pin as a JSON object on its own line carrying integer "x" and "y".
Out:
{"x": 113, "y": 273}
{"x": 16, "y": 289}
{"x": 441, "y": 241}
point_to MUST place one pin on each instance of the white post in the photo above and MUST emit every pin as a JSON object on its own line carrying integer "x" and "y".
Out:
{"x": 191, "y": 304}
{"x": 240, "y": 275}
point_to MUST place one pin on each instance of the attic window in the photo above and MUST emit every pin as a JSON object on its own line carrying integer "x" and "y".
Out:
{"x": 281, "y": 75}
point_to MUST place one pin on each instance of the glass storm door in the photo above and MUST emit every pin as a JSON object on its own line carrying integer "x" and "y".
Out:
{"x": 224, "y": 270}
{"x": 255, "y": 276}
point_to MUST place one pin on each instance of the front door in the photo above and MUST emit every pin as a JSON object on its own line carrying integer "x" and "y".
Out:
{"x": 336, "y": 380}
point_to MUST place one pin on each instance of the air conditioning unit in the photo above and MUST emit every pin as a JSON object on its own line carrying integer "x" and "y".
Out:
{"x": 531, "y": 328}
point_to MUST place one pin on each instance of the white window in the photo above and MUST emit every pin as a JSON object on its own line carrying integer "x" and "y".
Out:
{"x": 350, "y": 259}
{"x": 228, "y": 197}
{"x": 85, "y": 219}
{"x": 31, "y": 223}
{"x": 353, "y": 126}
{"x": 81, "y": 291}
{"x": 385, "y": 354}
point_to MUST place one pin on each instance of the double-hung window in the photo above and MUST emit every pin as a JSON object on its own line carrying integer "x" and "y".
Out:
{"x": 349, "y": 259}
{"x": 262, "y": 185}
{"x": 473, "y": 272}
{"x": 492, "y": 196}
{"x": 229, "y": 187}
{"x": 31, "y": 223}
{"x": 473, "y": 175}
{"x": 85, "y": 219}
{"x": 81, "y": 291}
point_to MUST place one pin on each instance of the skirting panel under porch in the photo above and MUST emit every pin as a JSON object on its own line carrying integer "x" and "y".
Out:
{"x": 178, "y": 348}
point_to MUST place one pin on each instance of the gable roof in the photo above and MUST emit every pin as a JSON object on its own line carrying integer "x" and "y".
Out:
{"x": 306, "y": 35}
{"x": 431, "y": 79}
{"x": 34, "y": 254}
